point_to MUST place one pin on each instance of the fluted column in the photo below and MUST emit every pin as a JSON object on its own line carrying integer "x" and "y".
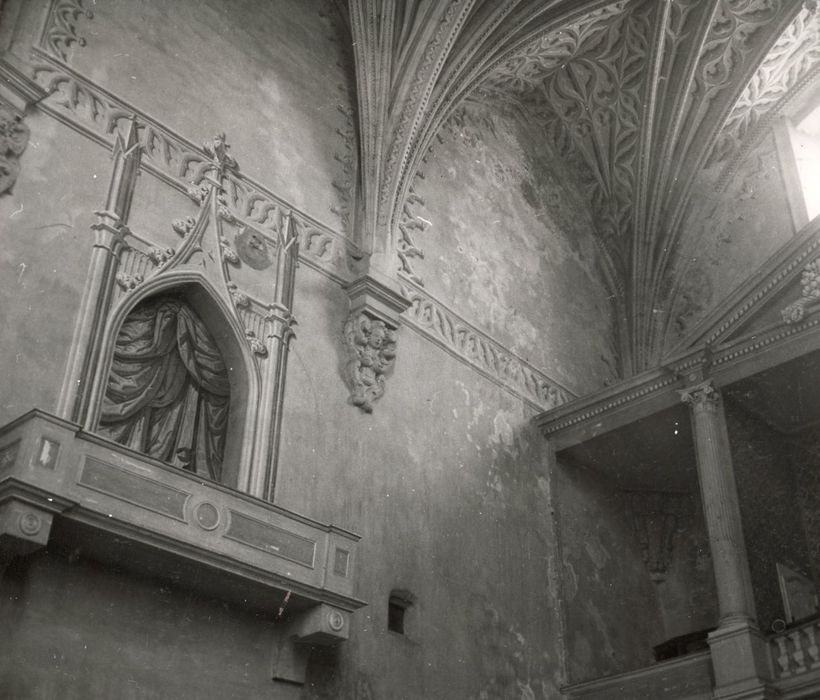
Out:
{"x": 740, "y": 657}
{"x": 720, "y": 503}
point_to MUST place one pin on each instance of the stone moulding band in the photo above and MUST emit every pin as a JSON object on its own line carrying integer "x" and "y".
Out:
{"x": 433, "y": 320}
{"x": 97, "y": 114}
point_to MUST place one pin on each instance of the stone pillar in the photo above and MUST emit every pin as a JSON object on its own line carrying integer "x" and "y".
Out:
{"x": 720, "y": 504}
{"x": 740, "y": 656}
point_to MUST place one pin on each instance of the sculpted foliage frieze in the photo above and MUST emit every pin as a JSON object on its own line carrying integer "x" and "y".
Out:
{"x": 184, "y": 165}
{"x": 60, "y": 32}
{"x": 489, "y": 357}
{"x": 793, "y": 58}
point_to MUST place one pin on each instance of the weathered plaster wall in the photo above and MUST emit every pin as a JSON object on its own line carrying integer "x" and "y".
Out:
{"x": 75, "y": 630}
{"x": 43, "y": 260}
{"x": 510, "y": 247}
{"x": 687, "y": 597}
{"x": 731, "y": 232}
{"x": 445, "y": 481}
{"x": 447, "y": 485}
{"x": 612, "y": 617}
{"x": 273, "y": 75}
{"x": 772, "y": 526}
{"x": 805, "y": 459}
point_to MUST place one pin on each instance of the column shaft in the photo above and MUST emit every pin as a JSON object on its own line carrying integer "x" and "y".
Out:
{"x": 720, "y": 504}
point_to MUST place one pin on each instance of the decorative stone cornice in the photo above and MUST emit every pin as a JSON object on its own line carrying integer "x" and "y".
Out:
{"x": 666, "y": 386}
{"x": 810, "y": 293}
{"x": 178, "y": 162}
{"x": 740, "y": 308}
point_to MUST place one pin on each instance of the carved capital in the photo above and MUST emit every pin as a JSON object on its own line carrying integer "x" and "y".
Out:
{"x": 370, "y": 337}
{"x": 703, "y": 396}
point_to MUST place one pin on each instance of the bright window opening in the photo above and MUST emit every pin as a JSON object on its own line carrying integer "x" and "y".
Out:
{"x": 805, "y": 137}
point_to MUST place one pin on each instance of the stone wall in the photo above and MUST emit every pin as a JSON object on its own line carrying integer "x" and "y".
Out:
{"x": 508, "y": 242}
{"x": 731, "y": 229}
{"x": 612, "y": 618}
{"x": 772, "y": 525}
{"x": 805, "y": 457}
{"x": 446, "y": 481}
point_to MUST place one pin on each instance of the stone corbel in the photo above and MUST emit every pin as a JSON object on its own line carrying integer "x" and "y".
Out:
{"x": 28, "y": 469}
{"x": 322, "y": 625}
{"x": 370, "y": 335}
{"x": 17, "y": 93}
{"x": 656, "y": 518}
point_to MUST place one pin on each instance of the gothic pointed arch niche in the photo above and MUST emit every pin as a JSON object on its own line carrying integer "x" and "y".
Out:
{"x": 201, "y": 308}
{"x": 209, "y": 270}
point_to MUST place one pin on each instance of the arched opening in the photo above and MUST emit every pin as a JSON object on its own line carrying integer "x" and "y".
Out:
{"x": 176, "y": 387}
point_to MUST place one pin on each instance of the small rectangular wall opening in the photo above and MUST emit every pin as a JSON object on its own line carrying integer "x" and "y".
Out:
{"x": 397, "y": 606}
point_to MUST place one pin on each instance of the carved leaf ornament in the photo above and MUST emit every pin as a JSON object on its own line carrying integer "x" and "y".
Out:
{"x": 371, "y": 349}
{"x": 14, "y": 135}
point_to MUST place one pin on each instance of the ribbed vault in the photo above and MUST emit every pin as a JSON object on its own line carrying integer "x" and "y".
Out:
{"x": 654, "y": 99}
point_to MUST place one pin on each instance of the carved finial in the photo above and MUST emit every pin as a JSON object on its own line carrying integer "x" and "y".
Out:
{"x": 184, "y": 226}
{"x": 217, "y": 150}
{"x": 127, "y": 155}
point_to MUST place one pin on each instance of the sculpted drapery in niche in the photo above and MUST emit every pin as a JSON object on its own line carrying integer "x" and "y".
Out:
{"x": 168, "y": 392}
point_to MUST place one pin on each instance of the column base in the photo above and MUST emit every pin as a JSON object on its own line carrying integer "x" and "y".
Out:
{"x": 741, "y": 662}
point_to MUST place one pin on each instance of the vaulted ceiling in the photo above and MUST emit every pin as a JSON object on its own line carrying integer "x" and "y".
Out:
{"x": 649, "y": 98}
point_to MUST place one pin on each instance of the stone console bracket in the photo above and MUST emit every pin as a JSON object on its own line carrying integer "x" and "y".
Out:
{"x": 73, "y": 489}
{"x": 320, "y": 626}
{"x": 370, "y": 335}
